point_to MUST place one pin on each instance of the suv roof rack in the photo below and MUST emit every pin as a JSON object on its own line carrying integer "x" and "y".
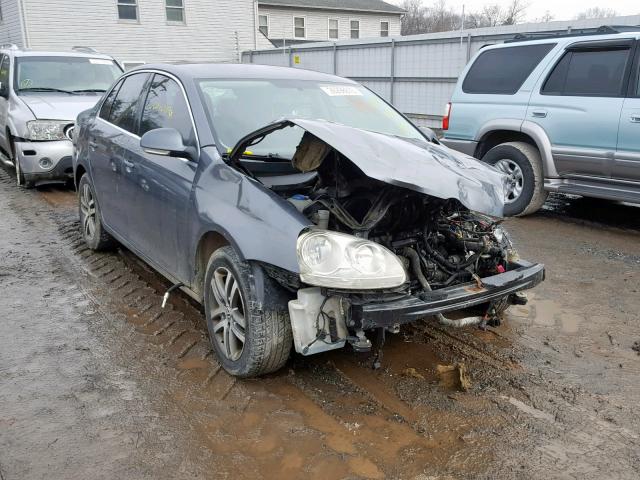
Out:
{"x": 602, "y": 30}
{"x": 84, "y": 49}
{"x": 9, "y": 46}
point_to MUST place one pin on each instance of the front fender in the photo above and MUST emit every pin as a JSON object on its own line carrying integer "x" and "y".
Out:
{"x": 259, "y": 224}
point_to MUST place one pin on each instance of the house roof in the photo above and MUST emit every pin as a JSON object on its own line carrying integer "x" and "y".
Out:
{"x": 356, "y": 5}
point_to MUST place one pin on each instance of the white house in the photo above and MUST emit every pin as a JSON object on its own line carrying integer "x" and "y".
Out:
{"x": 146, "y": 31}
{"x": 135, "y": 31}
{"x": 299, "y": 21}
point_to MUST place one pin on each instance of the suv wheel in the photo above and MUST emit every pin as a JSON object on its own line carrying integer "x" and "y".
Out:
{"x": 522, "y": 163}
{"x": 250, "y": 337}
{"x": 91, "y": 227}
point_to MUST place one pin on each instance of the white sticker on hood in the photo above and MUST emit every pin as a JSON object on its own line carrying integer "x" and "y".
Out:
{"x": 341, "y": 91}
{"x": 100, "y": 61}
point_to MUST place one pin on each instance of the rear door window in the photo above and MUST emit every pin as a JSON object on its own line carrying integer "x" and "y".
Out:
{"x": 166, "y": 107}
{"x": 105, "y": 109}
{"x": 124, "y": 110}
{"x": 589, "y": 72}
{"x": 503, "y": 71}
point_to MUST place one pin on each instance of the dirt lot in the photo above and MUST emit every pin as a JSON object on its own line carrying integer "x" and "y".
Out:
{"x": 96, "y": 381}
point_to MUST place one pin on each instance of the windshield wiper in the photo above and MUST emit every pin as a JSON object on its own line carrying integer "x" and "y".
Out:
{"x": 45, "y": 89}
{"x": 90, "y": 90}
{"x": 274, "y": 157}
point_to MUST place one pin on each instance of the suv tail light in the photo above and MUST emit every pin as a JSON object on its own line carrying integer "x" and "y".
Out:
{"x": 445, "y": 119}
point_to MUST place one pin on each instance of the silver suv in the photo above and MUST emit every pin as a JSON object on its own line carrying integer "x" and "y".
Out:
{"x": 557, "y": 114}
{"x": 41, "y": 94}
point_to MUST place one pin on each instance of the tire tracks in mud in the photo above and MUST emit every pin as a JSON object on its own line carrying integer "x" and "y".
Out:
{"x": 132, "y": 289}
{"x": 373, "y": 429}
{"x": 344, "y": 418}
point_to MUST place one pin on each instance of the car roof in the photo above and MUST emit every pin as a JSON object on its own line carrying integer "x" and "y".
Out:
{"x": 48, "y": 53}
{"x": 241, "y": 71}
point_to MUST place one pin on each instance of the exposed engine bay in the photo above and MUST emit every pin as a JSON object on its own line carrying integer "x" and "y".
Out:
{"x": 414, "y": 200}
{"x": 441, "y": 241}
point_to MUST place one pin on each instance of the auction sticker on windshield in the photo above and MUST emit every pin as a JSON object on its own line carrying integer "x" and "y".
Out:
{"x": 100, "y": 61}
{"x": 341, "y": 90}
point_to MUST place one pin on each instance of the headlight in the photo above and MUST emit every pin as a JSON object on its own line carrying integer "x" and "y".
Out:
{"x": 40, "y": 130}
{"x": 336, "y": 260}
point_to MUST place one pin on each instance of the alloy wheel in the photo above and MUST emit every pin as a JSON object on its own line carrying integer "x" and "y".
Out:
{"x": 88, "y": 208}
{"x": 227, "y": 313}
{"x": 516, "y": 179}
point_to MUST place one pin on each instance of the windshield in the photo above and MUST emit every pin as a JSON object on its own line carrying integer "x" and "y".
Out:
{"x": 239, "y": 107}
{"x": 65, "y": 74}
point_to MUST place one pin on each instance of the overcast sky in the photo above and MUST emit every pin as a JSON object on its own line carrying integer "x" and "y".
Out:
{"x": 560, "y": 9}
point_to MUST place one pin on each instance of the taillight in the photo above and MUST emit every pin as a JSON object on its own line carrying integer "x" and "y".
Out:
{"x": 445, "y": 119}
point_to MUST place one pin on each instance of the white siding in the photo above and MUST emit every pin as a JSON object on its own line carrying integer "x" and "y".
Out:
{"x": 208, "y": 34}
{"x": 317, "y": 22}
{"x": 10, "y": 26}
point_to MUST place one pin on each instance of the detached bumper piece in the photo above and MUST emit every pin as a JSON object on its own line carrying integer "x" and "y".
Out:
{"x": 522, "y": 276}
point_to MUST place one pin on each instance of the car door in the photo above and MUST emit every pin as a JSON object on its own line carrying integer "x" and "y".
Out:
{"x": 111, "y": 138}
{"x": 165, "y": 183}
{"x": 626, "y": 165}
{"x": 4, "y": 101}
{"x": 579, "y": 103}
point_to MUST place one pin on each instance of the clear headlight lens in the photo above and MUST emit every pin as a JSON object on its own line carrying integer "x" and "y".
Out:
{"x": 41, "y": 130}
{"x": 336, "y": 260}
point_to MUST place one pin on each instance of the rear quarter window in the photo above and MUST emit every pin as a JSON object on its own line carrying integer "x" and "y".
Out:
{"x": 589, "y": 72}
{"x": 503, "y": 71}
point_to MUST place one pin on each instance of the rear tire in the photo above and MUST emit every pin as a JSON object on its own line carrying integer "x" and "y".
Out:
{"x": 91, "y": 226}
{"x": 522, "y": 161}
{"x": 250, "y": 337}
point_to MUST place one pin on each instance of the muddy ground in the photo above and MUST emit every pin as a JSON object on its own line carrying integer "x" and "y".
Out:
{"x": 96, "y": 381}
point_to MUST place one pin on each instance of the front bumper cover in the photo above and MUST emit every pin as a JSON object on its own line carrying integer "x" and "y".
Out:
{"x": 372, "y": 314}
{"x": 57, "y": 152}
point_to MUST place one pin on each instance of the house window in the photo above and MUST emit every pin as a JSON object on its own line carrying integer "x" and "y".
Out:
{"x": 298, "y": 27}
{"x": 263, "y": 25}
{"x": 128, "y": 9}
{"x": 355, "y": 28}
{"x": 333, "y": 29}
{"x": 384, "y": 28}
{"x": 175, "y": 11}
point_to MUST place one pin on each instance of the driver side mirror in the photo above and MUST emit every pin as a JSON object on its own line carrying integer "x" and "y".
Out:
{"x": 167, "y": 142}
{"x": 4, "y": 91}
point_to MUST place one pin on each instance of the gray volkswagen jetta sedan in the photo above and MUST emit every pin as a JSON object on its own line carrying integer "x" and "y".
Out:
{"x": 299, "y": 208}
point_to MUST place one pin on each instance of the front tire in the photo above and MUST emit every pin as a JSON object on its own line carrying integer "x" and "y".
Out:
{"x": 250, "y": 337}
{"x": 522, "y": 163}
{"x": 91, "y": 227}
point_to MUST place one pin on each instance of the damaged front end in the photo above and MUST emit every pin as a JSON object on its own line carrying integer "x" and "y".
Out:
{"x": 402, "y": 230}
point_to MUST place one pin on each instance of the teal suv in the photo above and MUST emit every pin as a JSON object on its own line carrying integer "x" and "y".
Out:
{"x": 557, "y": 114}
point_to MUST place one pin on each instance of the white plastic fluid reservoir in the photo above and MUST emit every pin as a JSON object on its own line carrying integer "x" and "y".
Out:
{"x": 306, "y": 320}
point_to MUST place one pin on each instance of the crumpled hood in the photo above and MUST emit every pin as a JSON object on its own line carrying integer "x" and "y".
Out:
{"x": 58, "y": 106}
{"x": 427, "y": 168}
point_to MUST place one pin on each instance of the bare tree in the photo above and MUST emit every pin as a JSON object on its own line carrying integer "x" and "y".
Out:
{"x": 439, "y": 17}
{"x": 596, "y": 12}
{"x": 514, "y": 12}
{"x": 547, "y": 17}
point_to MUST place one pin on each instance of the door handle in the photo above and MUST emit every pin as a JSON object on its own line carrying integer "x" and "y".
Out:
{"x": 635, "y": 119}
{"x": 128, "y": 165}
{"x": 539, "y": 113}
